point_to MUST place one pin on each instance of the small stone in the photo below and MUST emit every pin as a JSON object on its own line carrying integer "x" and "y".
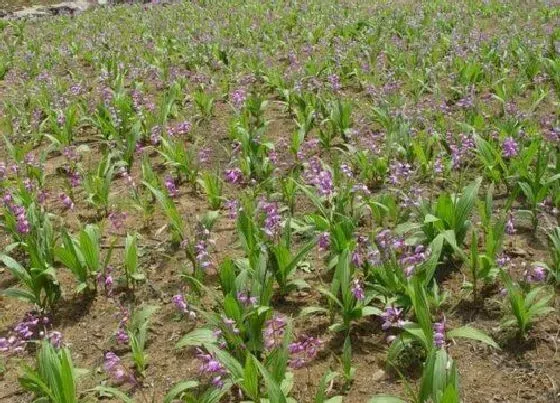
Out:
{"x": 378, "y": 375}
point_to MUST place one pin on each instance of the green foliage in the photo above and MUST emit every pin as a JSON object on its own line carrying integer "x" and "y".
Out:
{"x": 450, "y": 215}
{"x": 54, "y": 377}
{"x": 212, "y": 185}
{"x": 131, "y": 266}
{"x": 81, "y": 254}
{"x": 98, "y": 183}
{"x": 39, "y": 285}
{"x": 137, "y": 331}
{"x": 526, "y": 305}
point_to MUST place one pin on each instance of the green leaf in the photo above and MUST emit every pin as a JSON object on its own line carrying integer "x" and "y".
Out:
{"x": 131, "y": 254}
{"x": 386, "y": 399}
{"x": 178, "y": 389}
{"x": 20, "y": 294}
{"x": 113, "y": 392}
{"x": 251, "y": 378}
{"x": 310, "y": 310}
{"x": 89, "y": 246}
{"x": 15, "y": 268}
{"x": 275, "y": 394}
{"x": 469, "y": 332}
{"x": 197, "y": 337}
{"x": 371, "y": 310}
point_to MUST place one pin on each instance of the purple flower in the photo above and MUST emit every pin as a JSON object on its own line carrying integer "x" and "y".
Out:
{"x": 303, "y": 351}
{"x": 28, "y": 184}
{"x": 357, "y": 290}
{"x": 22, "y": 225}
{"x": 170, "y": 186}
{"x": 182, "y": 128}
{"x": 502, "y": 260}
{"x": 238, "y": 98}
{"x": 460, "y": 152}
{"x": 117, "y": 219}
{"x": 439, "y": 334}
{"x": 33, "y": 327}
{"x": 233, "y": 209}
{"x": 121, "y": 336}
{"x": 246, "y": 299}
{"x": 155, "y": 136}
{"x": 182, "y": 306}
{"x": 272, "y": 220}
{"x": 539, "y": 273}
{"x": 211, "y": 366}
{"x": 346, "y": 170}
{"x": 202, "y": 255}
{"x": 233, "y": 175}
{"x": 334, "y": 80}
{"x": 75, "y": 179}
{"x": 536, "y": 275}
{"x": 399, "y": 173}
{"x": 324, "y": 183}
{"x": 274, "y": 332}
{"x": 204, "y": 155}
{"x": 105, "y": 280}
{"x": 116, "y": 370}
{"x": 510, "y": 228}
{"x": 324, "y": 241}
{"x": 509, "y": 147}
{"x": 360, "y": 188}
{"x": 66, "y": 201}
{"x": 230, "y": 323}
{"x": 438, "y": 165}
{"x": 392, "y": 317}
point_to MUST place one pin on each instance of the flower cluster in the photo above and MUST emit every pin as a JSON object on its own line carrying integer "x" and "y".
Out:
{"x": 182, "y": 306}
{"x": 303, "y": 351}
{"x": 105, "y": 280}
{"x": 324, "y": 241}
{"x": 234, "y": 175}
{"x": 121, "y": 335}
{"x": 22, "y": 224}
{"x": 399, "y": 173}
{"x": 33, "y": 327}
{"x": 116, "y": 370}
{"x": 388, "y": 243}
{"x": 510, "y": 225}
{"x": 180, "y": 129}
{"x": 211, "y": 366}
{"x": 170, "y": 186}
{"x": 274, "y": 332}
{"x": 155, "y": 135}
{"x": 413, "y": 257}
{"x": 246, "y": 299}
{"x": 66, "y": 201}
{"x": 117, "y": 219}
{"x": 272, "y": 218}
{"x": 461, "y": 151}
{"x": 392, "y": 317}
{"x": 509, "y": 147}
{"x": 535, "y": 275}
{"x": 439, "y": 334}
{"x": 238, "y": 98}
{"x": 233, "y": 208}
{"x": 357, "y": 289}
{"x": 319, "y": 177}
{"x": 204, "y": 155}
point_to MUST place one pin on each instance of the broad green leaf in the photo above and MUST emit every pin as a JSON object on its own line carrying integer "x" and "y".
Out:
{"x": 197, "y": 337}
{"x": 469, "y": 332}
{"x": 178, "y": 389}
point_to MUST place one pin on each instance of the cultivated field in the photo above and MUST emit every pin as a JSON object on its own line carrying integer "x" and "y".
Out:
{"x": 281, "y": 201}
